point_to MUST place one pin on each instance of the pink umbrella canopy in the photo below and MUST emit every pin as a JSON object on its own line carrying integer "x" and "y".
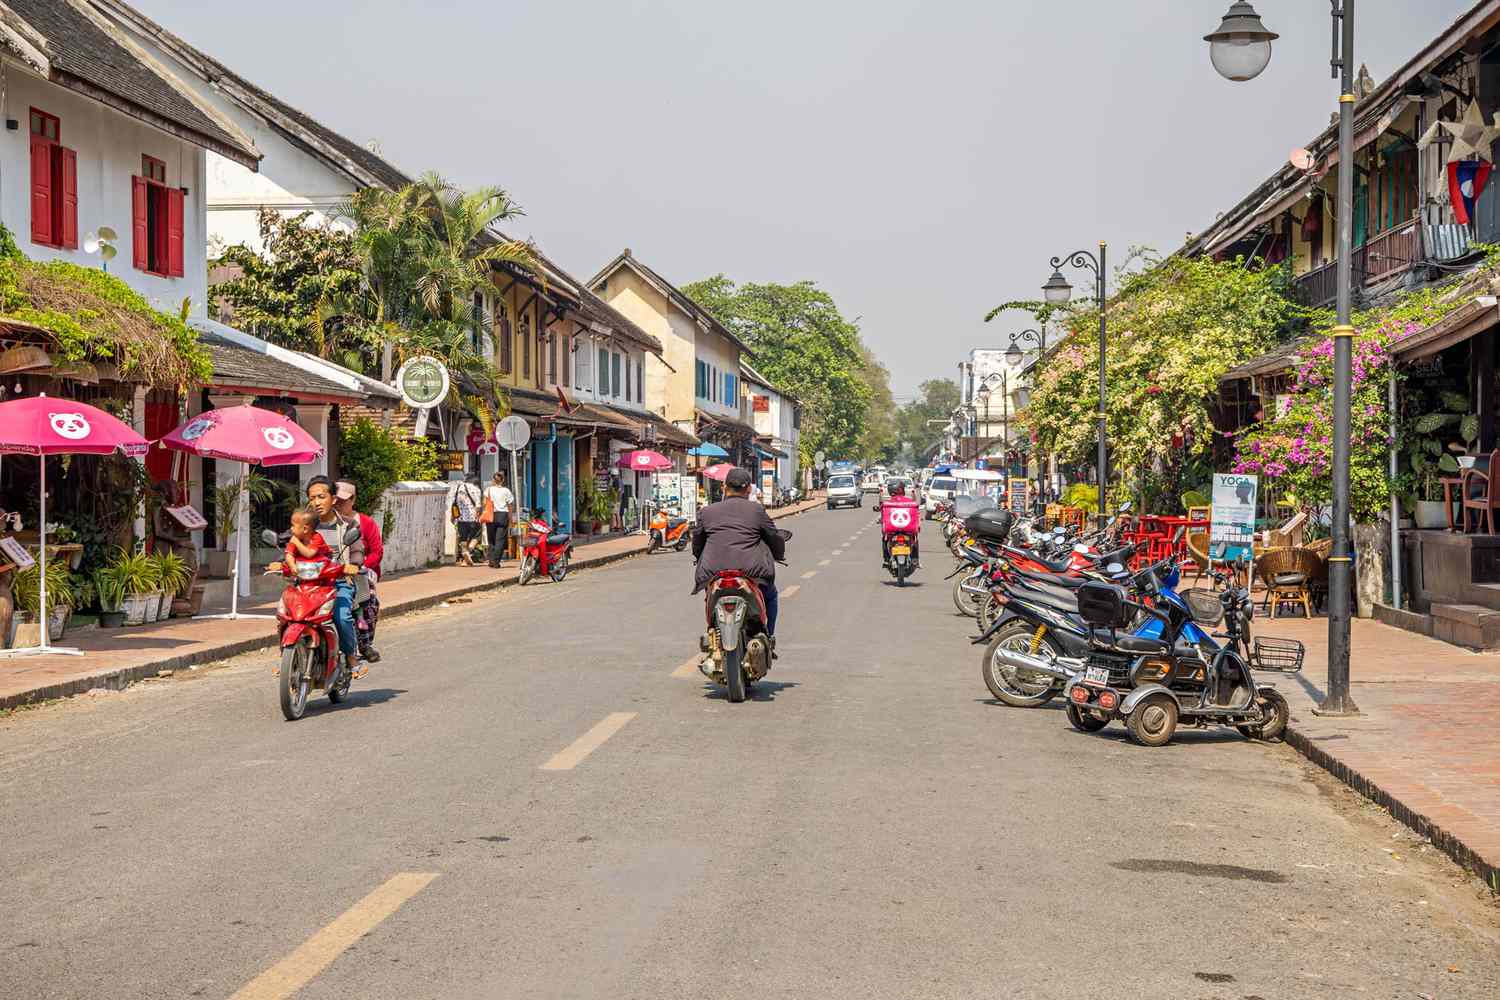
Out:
{"x": 245, "y": 434}
{"x": 644, "y": 460}
{"x": 719, "y": 471}
{"x": 53, "y": 425}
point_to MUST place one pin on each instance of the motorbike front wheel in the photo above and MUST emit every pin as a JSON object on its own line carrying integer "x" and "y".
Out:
{"x": 1014, "y": 688}
{"x": 527, "y": 571}
{"x": 989, "y": 611}
{"x": 681, "y": 542}
{"x": 651, "y": 544}
{"x": 296, "y": 678}
{"x": 967, "y": 604}
{"x": 1277, "y": 713}
{"x": 559, "y": 569}
{"x": 734, "y": 674}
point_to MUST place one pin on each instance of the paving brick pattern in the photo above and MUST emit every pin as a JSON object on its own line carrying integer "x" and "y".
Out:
{"x": 116, "y": 658}
{"x": 1427, "y": 746}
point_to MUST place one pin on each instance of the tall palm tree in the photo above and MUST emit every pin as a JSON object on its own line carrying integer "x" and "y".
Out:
{"x": 464, "y": 247}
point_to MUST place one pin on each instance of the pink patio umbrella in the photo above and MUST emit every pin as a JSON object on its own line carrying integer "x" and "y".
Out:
{"x": 252, "y": 436}
{"x": 645, "y": 460}
{"x": 719, "y": 471}
{"x": 53, "y": 425}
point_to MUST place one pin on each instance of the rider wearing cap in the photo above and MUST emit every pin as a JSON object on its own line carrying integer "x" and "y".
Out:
{"x": 737, "y": 534}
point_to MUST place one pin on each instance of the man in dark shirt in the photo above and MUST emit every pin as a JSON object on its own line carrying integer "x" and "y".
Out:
{"x": 736, "y": 533}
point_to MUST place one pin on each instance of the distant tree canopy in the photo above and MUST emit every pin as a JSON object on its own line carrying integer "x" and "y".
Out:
{"x": 803, "y": 344}
{"x": 936, "y": 401}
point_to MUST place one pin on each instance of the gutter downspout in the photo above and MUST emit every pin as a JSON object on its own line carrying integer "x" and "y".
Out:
{"x": 1395, "y": 501}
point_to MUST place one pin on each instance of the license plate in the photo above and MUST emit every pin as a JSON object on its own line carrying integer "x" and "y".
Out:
{"x": 900, "y": 550}
{"x": 1096, "y": 675}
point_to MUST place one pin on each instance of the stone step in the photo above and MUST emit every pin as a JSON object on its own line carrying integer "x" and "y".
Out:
{"x": 1469, "y": 625}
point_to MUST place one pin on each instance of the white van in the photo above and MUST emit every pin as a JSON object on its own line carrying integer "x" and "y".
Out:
{"x": 939, "y": 488}
{"x": 843, "y": 491}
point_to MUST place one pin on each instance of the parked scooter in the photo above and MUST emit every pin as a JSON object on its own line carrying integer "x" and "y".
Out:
{"x": 667, "y": 530}
{"x": 545, "y": 553}
{"x": 739, "y": 651}
{"x": 310, "y": 658}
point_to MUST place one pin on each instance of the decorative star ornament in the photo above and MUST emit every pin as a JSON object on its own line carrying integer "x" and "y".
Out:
{"x": 1472, "y": 136}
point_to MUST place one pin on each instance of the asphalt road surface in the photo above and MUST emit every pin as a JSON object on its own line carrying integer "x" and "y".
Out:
{"x": 530, "y": 798}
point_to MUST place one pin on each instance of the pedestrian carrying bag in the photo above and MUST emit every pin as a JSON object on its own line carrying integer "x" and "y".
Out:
{"x": 488, "y": 514}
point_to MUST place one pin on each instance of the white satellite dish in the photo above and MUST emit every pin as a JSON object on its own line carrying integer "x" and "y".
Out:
{"x": 1301, "y": 159}
{"x": 101, "y": 243}
{"x": 91, "y": 245}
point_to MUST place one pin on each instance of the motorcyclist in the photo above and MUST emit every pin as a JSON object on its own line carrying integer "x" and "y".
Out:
{"x": 332, "y": 527}
{"x": 898, "y": 489}
{"x": 737, "y": 534}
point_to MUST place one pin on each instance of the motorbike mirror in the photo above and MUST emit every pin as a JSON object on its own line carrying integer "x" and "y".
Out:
{"x": 269, "y": 537}
{"x": 352, "y": 535}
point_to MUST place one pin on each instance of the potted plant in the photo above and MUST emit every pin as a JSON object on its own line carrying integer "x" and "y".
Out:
{"x": 26, "y": 591}
{"x": 109, "y": 585}
{"x": 137, "y": 574}
{"x": 1433, "y": 445}
{"x": 171, "y": 578}
{"x": 219, "y": 562}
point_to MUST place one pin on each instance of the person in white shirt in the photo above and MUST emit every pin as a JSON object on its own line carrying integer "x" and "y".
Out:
{"x": 498, "y": 529}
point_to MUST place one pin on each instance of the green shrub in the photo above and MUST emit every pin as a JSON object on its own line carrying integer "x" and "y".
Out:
{"x": 374, "y": 459}
{"x": 26, "y": 589}
{"x": 1083, "y": 496}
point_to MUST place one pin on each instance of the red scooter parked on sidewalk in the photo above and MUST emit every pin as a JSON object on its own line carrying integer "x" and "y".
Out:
{"x": 544, "y": 554}
{"x": 310, "y": 658}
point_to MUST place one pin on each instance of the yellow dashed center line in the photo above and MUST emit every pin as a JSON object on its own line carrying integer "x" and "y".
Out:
{"x": 809, "y": 574}
{"x": 824, "y": 562}
{"x": 590, "y": 741}
{"x": 792, "y": 590}
{"x": 295, "y": 971}
{"x": 688, "y": 668}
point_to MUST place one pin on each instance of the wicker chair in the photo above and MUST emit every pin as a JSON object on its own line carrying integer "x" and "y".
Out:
{"x": 1318, "y": 585}
{"x": 1197, "y": 547}
{"x": 1287, "y": 575}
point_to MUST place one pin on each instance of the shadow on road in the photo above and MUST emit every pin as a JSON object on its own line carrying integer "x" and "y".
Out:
{"x": 893, "y": 583}
{"x": 762, "y": 691}
{"x": 356, "y": 699}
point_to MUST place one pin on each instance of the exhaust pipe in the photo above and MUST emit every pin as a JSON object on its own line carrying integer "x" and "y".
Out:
{"x": 1059, "y": 669}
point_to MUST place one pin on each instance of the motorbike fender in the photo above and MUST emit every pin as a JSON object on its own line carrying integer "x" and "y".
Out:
{"x": 1001, "y": 620}
{"x": 1140, "y": 694}
{"x": 294, "y": 632}
{"x": 730, "y": 614}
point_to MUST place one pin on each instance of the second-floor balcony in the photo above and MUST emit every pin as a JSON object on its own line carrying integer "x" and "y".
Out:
{"x": 1379, "y": 259}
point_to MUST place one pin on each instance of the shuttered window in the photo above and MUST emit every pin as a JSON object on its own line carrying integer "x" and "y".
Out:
{"x": 156, "y": 221}
{"x": 54, "y": 184}
{"x": 526, "y": 346}
{"x": 503, "y": 337}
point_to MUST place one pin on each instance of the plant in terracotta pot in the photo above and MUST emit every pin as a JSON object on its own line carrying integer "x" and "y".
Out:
{"x": 60, "y": 598}
{"x": 171, "y": 579}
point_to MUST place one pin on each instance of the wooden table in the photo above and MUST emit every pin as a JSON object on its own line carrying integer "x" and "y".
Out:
{"x": 1451, "y": 485}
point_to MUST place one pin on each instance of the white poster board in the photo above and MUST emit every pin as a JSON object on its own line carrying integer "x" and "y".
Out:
{"x": 669, "y": 490}
{"x": 689, "y": 486}
{"x": 1234, "y": 509}
{"x": 187, "y": 515}
{"x": 15, "y": 552}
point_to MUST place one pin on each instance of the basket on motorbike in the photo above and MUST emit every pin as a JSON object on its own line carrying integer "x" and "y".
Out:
{"x": 990, "y": 525}
{"x": 1205, "y": 606}
{"x": 1282, "y": 656}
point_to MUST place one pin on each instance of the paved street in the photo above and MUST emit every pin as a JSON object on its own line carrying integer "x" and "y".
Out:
{"x": 529, "y": 798}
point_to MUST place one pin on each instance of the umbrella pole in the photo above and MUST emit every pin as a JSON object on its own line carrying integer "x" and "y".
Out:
{"x": 241, "y": 533}
{"x": 43, "y": 646}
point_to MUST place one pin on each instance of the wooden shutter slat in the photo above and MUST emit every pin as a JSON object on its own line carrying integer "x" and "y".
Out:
{"x": 69, "y": 194}
{"x": 175, "y": 208}
{"x": 41, "y": 191}
{"x": 140, "y": 250}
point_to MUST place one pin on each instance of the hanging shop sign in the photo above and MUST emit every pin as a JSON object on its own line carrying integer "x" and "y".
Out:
{"x": 422, "y": 382}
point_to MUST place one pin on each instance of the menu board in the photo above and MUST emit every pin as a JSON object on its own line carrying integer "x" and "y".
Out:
{"x": 187, "y": 515}
{"x": 1016, "y": 493}
{"x": 16, "y": 553}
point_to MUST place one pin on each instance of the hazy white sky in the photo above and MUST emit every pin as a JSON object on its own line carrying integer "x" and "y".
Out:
{"x": 920, "y": 160}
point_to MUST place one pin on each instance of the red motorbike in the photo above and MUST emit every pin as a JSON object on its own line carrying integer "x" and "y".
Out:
{"x": 545, "y": 554}
{"x": 310, "y": 657}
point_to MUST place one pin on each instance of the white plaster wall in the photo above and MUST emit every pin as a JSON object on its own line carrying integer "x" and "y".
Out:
{"x": 109, "y": 145}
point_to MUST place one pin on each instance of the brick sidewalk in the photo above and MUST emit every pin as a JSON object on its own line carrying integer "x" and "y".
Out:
{"x": 116, "y": 658}
{"x": 1428, "y": 744}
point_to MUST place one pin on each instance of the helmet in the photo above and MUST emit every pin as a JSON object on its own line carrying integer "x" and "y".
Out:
{"x": 898, "y": 489}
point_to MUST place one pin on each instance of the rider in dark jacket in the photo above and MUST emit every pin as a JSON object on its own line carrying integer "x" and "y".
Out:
{"x": 736, "y": 533}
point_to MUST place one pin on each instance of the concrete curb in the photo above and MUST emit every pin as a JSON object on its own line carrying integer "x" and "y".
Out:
{"x": 1443, "y": 840}
{"x": 119, "y": 680}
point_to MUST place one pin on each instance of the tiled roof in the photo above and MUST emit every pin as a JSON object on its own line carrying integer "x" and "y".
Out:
{"x": 86, "y": 53}
{"x": 235, "y": 365}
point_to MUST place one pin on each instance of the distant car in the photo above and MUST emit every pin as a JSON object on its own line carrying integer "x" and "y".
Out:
{"x": 941, "y": 488}
{"x": 843, "y": 491}
{"x": 872, "y": 482}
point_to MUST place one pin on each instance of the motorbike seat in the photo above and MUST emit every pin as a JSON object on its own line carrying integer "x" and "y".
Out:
{"x": 1052, "y": 579}
{"x": 554, "y": 541}
{"x": 676, "y": 522}
{"x": 1131, "y": 643}
{"x": 1051, "y": 597}
{"x": 1055, "y": 565}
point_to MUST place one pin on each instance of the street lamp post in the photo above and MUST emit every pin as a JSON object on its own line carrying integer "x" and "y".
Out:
{"x": 1240, "y": 50}
{"x": 1057, "y": 291}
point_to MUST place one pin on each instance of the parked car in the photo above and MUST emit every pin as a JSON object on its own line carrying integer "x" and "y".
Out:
{"x": 844, "y": 491}
{"x": 941, "y": 488}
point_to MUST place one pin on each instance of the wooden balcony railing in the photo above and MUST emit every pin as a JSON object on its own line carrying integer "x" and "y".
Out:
{"x": 1382, "y": 256}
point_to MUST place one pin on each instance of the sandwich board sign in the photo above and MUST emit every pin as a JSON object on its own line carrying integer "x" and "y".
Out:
{"x": 1234, "y": 509}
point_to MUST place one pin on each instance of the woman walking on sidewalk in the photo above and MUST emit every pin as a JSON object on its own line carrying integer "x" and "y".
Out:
{"x": 499, "y": 504}
{"x": 464, "y": 502}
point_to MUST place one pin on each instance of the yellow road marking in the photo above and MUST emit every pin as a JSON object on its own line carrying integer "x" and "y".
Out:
{"x": 588, "y": 742}
{"x": 688, "y": 668}
{"x": 792, "y": 590}
{"x": 824, "y": 562}
{"x": 838, "y": 552}
{"x": 809, "y": 574}
{"x": 319, "y": 951}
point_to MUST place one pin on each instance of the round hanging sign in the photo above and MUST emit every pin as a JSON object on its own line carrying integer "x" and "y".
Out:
{"x": 422, "y": 382}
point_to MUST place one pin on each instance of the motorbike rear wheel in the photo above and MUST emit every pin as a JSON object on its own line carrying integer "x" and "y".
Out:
{"x": 734, "y": 675}
{"x": 681, "y": 542}
{"x": 1154, "y": 721}
{"x": 989, "y": 611}
{"x": 1008, "y": 685}
{"x": 339, "y": 689}
{"x": 559, "y": 569}
{"x": 651, "y": 543}
{"x": 967, "y": 604}
{"x": 296, "y": 679}
{"x": 527, "y": 570}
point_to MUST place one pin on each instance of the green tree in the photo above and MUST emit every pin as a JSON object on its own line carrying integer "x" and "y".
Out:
{"x": 804, "y": 344}
{"x": 936, "y": 400}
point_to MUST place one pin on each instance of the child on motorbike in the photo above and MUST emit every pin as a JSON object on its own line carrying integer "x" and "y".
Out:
{"x": 306, "y": 543}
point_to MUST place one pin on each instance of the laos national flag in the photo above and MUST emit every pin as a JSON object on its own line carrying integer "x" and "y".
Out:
{"x": 1466, "y": 180}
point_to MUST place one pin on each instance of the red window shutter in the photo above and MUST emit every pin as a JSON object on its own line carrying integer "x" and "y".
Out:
{"x": 69, "y": 198}
{"x": 41, "y": 191}
{"x": 174, "y": 232}
{"x": 139, "y": 231}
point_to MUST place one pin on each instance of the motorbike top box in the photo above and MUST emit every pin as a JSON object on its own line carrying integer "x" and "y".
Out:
{"x": 1103, "y": 605}
{"x": 900, "y": 514}
{"x": 990, "y": 525}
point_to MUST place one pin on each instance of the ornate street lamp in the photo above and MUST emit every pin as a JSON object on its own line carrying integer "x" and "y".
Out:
{"x": 1057, "y": 291}
{"x": 1242, "y": 30}
{"x": 1241, "y": 47}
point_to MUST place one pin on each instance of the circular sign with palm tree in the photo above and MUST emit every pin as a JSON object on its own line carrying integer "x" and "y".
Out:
{"x": 423, "y": 382}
